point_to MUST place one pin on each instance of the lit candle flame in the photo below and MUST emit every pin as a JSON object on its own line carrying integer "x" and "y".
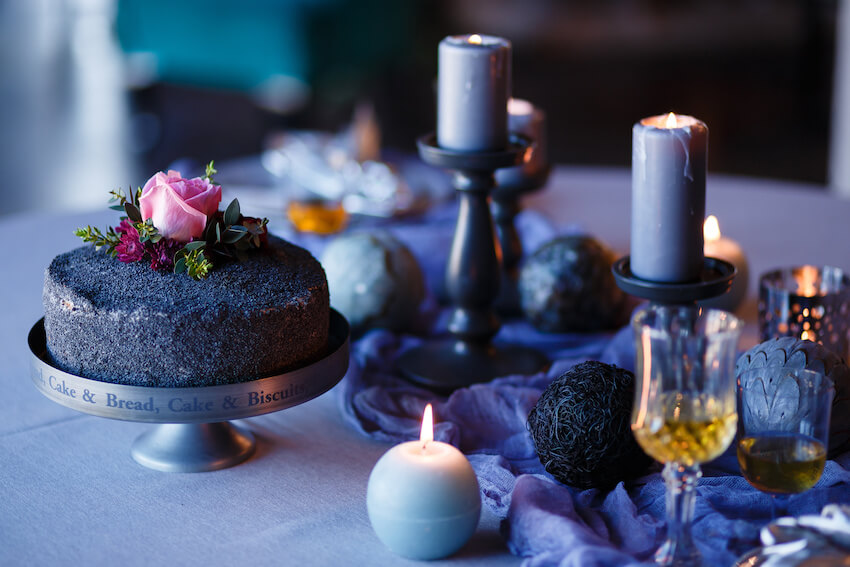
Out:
{"x": 807, "y": 281}
{"x": 475, "y": 38}
{"x": 671, "y": 121}
{"x": 426, "y": 434}
{"x": 711, "y": 229}
{"x": 519, "y": 107}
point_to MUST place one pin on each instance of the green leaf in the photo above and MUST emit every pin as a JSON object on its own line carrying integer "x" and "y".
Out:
{"x": 133, "y": 212}
{"x": 232, "y": 213}
{"x": 194, "y": 245}
{"x": 210, "y": 171}
{"x": 180, "y": 265}
{"x": 232, "y": 236}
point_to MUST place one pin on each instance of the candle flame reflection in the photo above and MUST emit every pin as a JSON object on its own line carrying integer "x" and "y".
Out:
{"x": 711, "y": 228}
{"x": 426, "y": 434}
{"x": 671, "y": 121}
{"x": 475, "y": 38}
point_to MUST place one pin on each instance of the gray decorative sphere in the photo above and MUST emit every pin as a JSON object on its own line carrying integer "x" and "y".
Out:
{"x": 374, "y": 280}
{"x": 581, "y": 427}
{"x": 567, "y": 285}
{"x": 797, "y": 353}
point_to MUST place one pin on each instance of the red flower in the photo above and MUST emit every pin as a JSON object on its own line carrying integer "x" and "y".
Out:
{"x": 130, "y": 249}
{"x": 162, "y": 253}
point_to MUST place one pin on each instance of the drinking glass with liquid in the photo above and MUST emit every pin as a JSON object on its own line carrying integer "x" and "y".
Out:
{"x": 783, "y": 430}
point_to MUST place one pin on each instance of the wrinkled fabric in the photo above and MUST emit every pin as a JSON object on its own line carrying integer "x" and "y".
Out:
{"x": 545, "y": 521}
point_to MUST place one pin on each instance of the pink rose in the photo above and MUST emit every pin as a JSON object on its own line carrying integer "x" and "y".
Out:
{"x": 179, "y": 207}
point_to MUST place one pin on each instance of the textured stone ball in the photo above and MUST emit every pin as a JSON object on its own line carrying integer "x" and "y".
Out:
{"x": 797, "y": 353}
{"x": 581, "y": 427}
{"x": 567, "y": 285}
{"x": 374, "y": 280}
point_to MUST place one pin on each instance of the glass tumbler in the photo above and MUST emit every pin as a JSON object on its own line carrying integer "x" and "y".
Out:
{"x": 783, "y": 429}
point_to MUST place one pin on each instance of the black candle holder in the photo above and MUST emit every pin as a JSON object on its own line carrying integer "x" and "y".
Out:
{"x": 715, "y": 279}
{"x": 473, "y": 277}
{"x": 511, "y": 184}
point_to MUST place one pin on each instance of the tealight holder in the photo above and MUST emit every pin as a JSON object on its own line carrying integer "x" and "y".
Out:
{"x": 473, "y": 278}
{"x": 806, "y": 302}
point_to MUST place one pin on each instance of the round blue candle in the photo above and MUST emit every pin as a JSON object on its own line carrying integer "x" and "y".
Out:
{"x": 423, "y": 499}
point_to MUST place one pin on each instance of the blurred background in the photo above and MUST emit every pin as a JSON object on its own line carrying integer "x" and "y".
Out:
{"x": 97, "y": 94}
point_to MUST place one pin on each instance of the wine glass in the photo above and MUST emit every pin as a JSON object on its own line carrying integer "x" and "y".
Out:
{"x": 685, "y": 405}
{"x": 783, "y": 430}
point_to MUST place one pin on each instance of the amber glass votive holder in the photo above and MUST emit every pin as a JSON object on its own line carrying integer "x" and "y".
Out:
{"x": 807, "y": 302}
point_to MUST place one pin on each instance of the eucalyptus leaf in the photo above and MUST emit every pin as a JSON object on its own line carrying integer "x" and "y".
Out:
{"x": 233, "y": 236}
{"x": 133, "y": 212}
{"x": 194, "y": 245}
{"x": 232, "y": 213}
{"x": 180, "y": 265}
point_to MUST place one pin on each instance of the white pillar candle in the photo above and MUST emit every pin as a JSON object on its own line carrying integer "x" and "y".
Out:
{"x": 669, "y": 155}
{"x": 473, "y": 91}
{"x": 723, "y": 248}
{"x": 526, "y": 119}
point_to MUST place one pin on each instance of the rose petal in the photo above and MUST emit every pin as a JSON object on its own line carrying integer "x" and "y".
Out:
{"x": 206, "y": 196}
{"x": 172, "y": 216}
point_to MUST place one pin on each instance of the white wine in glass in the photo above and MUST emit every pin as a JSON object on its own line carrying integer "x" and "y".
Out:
{"x": 688, "y": 429}
{"x": 685, "y": 410}
{"x": 783, "y": 430}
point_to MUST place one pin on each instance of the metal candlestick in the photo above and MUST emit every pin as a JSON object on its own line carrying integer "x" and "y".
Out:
{"x": 511, "y": 184}
{"x": 473, "y": 277}
{"x": 715, "y": 279}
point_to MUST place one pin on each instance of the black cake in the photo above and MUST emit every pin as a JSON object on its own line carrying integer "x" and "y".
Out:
{"x": 126, "y": 323}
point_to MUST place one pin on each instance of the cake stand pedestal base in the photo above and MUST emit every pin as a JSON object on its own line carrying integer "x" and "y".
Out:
{"x": 193, "y": 447}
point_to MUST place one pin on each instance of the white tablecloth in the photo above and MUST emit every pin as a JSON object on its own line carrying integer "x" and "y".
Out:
{"x": 70, "y": 494}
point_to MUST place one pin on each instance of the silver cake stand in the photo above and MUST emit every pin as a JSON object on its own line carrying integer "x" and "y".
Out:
{"x": 195, "y": 434}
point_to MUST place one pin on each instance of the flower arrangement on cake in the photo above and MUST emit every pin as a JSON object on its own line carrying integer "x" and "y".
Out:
{"x": 175, "y": 224}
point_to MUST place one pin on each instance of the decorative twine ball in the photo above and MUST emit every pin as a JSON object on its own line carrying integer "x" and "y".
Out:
{"x": 567, "y": 285}
{"x": 581, "y": 427}
{"x": 374, "y": 280}
{"x": 791, "y": 352}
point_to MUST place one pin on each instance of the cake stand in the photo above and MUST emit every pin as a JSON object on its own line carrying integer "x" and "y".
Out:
{"x": 195, "y": 434}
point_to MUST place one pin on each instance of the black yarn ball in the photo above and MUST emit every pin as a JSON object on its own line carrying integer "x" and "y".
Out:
{"x": 567, "y": 285}
{"x": 581, "y": 427}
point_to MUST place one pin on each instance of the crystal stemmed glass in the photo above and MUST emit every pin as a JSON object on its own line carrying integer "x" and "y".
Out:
{"x": 783, "y": 429}
{"x": 685, "y": 405}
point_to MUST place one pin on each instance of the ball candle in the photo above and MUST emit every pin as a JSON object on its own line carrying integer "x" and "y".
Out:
{"x": 719, "y": 246}
{"x": 474, "y": 84}
{"x": 669, "y": 154}
{"x": 422, "y": 497}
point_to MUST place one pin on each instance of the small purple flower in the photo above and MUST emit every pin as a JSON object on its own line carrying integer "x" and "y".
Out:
{"x": 127, "y": 227}
{"x": 162, "y": 253}
{"x": 130, "y": 249}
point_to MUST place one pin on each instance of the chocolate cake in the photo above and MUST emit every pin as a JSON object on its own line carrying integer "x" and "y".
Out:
{"x": 126, "y": 323}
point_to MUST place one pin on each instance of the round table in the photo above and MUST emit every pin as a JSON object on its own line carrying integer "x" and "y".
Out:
{"x": 71, "y": 494}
